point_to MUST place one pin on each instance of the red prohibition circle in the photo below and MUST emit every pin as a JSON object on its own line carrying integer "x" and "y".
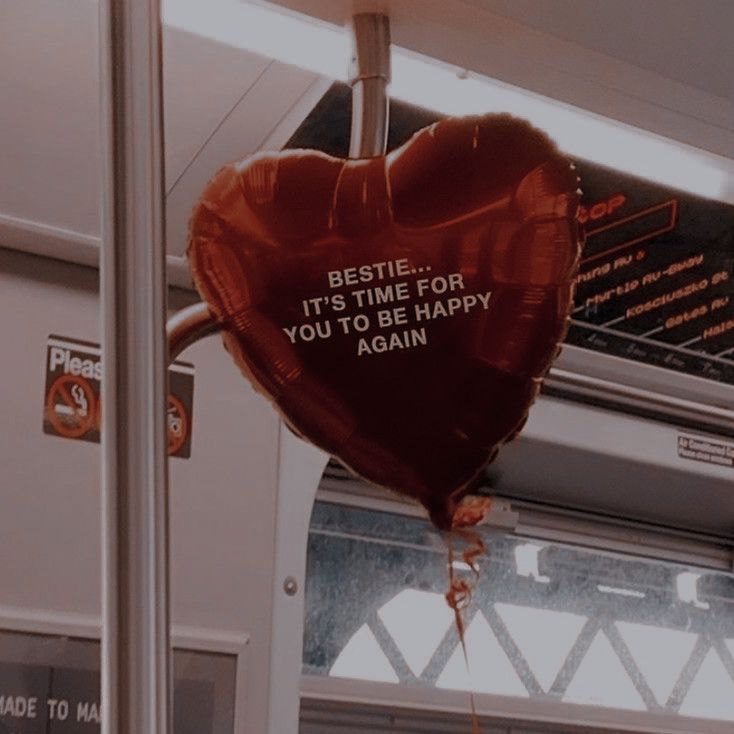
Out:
{"x": 177, "y": 424}
{"x": 65, "y": 407}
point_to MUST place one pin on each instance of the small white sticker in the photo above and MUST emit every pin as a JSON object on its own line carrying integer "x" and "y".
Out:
{"x": 698, "y": 448}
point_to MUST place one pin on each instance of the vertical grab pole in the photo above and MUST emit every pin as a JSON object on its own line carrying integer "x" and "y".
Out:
{"x": 135, "y": 597}
{"x": 369, "y": 77}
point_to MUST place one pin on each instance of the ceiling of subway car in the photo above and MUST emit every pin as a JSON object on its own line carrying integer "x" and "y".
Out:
{"x": 685, "y": 40}
{"x": 665, "y": 66}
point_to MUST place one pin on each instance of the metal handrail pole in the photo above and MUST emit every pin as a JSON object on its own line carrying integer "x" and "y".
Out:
{"x": 189, "y": 325}
{"x": 369, "y": 77}
{"x": 135, "y": 592}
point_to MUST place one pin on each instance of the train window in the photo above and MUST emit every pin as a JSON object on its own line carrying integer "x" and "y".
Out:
{"x": 549, "y": 622}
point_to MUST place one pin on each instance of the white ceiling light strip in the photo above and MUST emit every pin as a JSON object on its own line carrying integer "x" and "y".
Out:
{"x": 324, "y": 49}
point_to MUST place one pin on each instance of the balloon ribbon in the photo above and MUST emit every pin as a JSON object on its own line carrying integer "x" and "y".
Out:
{"x": 472, "y": 511}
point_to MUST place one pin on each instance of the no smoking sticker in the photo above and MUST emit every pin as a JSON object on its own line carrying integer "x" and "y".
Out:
{"x": 72, "y": 408}
{"x": 178, "y": 425}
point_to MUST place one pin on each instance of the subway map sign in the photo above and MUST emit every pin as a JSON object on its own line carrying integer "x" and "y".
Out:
{"x": 656, "y": 283}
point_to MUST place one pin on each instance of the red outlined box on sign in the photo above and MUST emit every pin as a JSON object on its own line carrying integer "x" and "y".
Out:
{"x": 636, "y": 228}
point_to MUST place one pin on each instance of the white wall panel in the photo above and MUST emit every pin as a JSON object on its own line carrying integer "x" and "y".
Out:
{"x": 271, "y": 98}
{"x": 49, "y": 148}
{"x": 222, "y": 499}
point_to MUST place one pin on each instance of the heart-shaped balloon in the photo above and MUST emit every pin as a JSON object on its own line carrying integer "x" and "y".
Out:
{"x": 400, "y": 311}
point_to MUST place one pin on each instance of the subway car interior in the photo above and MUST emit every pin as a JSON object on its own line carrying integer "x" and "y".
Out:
{"x": 303, "y": 598}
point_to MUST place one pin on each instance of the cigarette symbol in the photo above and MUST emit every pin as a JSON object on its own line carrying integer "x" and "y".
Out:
{"x": 178, "y": 424}
{"x": 175, "y": 424}
{"x": 80, "y": 399}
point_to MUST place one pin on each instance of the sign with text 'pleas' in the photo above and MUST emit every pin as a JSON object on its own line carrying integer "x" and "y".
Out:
{"x": 72, "y": 406}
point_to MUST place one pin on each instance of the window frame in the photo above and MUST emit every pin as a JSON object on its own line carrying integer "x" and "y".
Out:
{"x": 516, "y": 711}
{"x": 54, "y": 623}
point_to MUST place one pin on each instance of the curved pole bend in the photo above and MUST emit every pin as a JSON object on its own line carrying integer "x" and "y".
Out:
{"x": 188, "y": 326}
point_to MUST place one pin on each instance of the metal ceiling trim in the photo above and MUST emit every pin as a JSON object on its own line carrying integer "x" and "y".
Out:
{"x": 663, "y": 407}
{"x": 540, "y": 522}
{"x": 660, "y": 379}
{"x": 623, "y": 537}
{"x": 77, "y": 248}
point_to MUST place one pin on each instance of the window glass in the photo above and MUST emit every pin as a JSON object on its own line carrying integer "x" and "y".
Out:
{"x": 50, "y": 684}
{"x": 548, "y": 621}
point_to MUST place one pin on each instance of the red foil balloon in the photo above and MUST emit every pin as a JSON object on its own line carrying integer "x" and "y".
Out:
{"x": 400, "y": 311}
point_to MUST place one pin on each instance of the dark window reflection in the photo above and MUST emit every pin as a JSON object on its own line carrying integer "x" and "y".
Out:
{"x": 51, "y": 685}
